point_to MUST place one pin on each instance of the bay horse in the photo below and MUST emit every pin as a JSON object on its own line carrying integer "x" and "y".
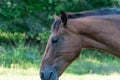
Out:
{"x": 71, "y": 32}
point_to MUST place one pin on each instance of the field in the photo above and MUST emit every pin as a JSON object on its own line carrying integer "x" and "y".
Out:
{"x": 24, "y": 32}
{"x": 89, "y": 68}
{"x": 65, "y": 76}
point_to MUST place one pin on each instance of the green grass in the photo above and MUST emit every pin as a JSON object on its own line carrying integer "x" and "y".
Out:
{"x": 93, "y": 66}
{"x": 22, "y": 62}
{"x": 19, "y": 56}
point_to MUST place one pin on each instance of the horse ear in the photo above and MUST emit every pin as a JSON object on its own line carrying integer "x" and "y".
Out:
{"x": 63, "y": 17}
{"x": 56, "y": 17}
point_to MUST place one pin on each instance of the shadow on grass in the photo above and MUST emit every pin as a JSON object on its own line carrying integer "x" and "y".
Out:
{"x": 86, "y": 67}
{"x": 92, "y": 66}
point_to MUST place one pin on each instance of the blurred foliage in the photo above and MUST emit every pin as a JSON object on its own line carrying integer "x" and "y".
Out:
{"x": 18, "y": 54}
{"x": 33, "y": 16}
{"x": 15, "y": 38}
{"x": 23, "y": 16}
{"x": 22, "y": 21}
{"x": 10, "y": 37}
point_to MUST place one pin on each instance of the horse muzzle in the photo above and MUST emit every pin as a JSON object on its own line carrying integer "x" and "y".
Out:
{"x": 49, "y": 73}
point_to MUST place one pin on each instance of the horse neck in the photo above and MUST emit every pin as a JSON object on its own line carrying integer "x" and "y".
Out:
{"x": 93, "y": 43}
{"x": 96, "y": 33}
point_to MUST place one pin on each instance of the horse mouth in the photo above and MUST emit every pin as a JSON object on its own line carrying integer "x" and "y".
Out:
{"x": 49, "y": 74}
{"x": 51, "y": 77}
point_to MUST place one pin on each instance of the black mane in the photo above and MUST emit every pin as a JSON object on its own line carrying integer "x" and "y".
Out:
{"x": 106, "y": 11}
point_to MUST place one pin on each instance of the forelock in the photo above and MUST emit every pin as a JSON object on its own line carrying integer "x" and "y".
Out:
{"x": 56, "y": 24}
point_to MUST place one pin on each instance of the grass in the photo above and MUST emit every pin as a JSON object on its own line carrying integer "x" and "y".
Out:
{"x": 90, "y": 77}
{"x": 22, "y": 63}
{"x": 64, "y": 77}
{"x": 85, "y": 66}
{"x": 80, "y": 69}
{"x": 33, "y": 74}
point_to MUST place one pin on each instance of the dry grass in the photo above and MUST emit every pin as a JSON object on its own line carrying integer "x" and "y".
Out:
{"x": 90, "y": 77}
{"x": 33, "y": 74}
{"x": 65, "y": 76}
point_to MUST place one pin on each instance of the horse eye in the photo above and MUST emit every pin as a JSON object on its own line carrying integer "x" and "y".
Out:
{"x": 55, "y": 40}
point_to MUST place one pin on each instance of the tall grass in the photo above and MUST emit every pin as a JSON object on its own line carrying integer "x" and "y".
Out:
{"x": 20, "y": 54}
{"x": 26, "y": 56}
{"x": 95, "y": 62}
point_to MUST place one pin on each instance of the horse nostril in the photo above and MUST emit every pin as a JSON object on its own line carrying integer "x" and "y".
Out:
{"x": 42, "y": 75}
{"x": 46, "y": 75}
{"x": 50, "y": 75}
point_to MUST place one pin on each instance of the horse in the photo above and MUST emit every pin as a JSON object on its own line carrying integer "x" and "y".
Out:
{"x": 71, "y": 32}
